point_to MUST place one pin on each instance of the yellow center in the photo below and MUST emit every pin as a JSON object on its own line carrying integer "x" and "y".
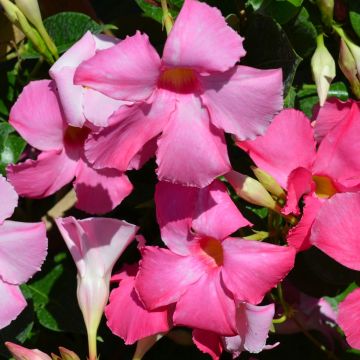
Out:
{"x": 181, "y": 80}
{"x": 213, "y": 249}
{"x": 324, "y": 186}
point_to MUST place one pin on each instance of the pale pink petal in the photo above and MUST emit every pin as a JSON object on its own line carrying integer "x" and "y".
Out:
{"x": 97, "y": 107}
{"x": 175, "y": 206}
{"x": 208, "y": 342}
{"x": 214, "y": 203}
{"x": 128, "y": 318}
{"x": 22, "y": 353}
{"x": 96, "y": 243}
{"x": 299, "y": 183}
{"x": 252, "y": 268}
{"x": 335, "y": 229}
{"x": 207, "y": 305}
{"x": 330, "y": 115}
{"x": 253, "y": 324}
{"x": 287, "y": 145}
{"x": 116, "y": 145}
{"x": 9, "y": 199}
{"x": 23, "y": 248}
{"x": 99, "y": 191}
{"x": 37, "y": 116}
{"x": 299, "y": 235}
{"x": 126, "y": 71}
{"x": 201, "y": 39}
{"x": 12, "y": 303}
{"x": 185, "y": 145}
{"x": 44, "y": 176}
{"x": 161, "y": 279}
{"x": 337, "y": 153}
{"x": 243, "y": 100}
{"x": 349, "y": 318}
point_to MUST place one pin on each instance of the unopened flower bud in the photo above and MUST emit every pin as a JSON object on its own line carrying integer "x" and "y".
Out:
{"x": 326, "y": 8}
{"x": 250, "y": 190}
{"x": 269, "y": 183}
{"x": 144, "y": 345}
{"x": 21, "y": 353}
{"x": 323, "y": 69}
{"x": 67, "y": 354}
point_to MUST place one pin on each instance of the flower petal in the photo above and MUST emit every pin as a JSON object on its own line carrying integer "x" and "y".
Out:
{"x": 99, "y": 191}
{"x": 252, "y": 268}
{"x": 9, "y": 199}
{"x": 12, "y": 303}
{"x": 338, "y": 219}
{"x": 244, "y": 100}
{"x": 126, "y": 71}
{"x": 37, "y": 116}
{"x": 161, "y": 279}
{"x": 44, "y": 176}
{"x": 185, "y": 145}
{"x": 287, "y": 145}
{"x": 201, "y": 39}
{"x": 18, "y": 265}
{"x": 208, "y": 342}
{"x": 349, "y": 317}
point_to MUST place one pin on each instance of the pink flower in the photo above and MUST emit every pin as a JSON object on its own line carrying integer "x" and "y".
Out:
{"x": 288, "y": 152}
{"x": 38, "y": 117}
{"x": 203, "y": 262}
{"x": 21, "y": 353}
{"x": 22, "y": 251}
{"x": 79, "y": 103}
{"x": 95, "y": 244}
{"x": 190, "y": 96}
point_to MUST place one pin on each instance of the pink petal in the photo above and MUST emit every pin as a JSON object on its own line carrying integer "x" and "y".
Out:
{"x": 207, "y": 305}
{"x": 253, "y": 324}
{"x": 161, "y": 279}
{"x": 208, "y": 342}
{"x": 252, "y": 268}
{"x": 21, "y": 353}
{"x": 299, "y": 183}
{"x": 147, "y": 152}
{"x": 23, "y": 248}
{"x": 185, "y": 145}
{"x": 214, "y": 203}
{"x": 99, "y": 191}
{"x": 299, "y": 235}
{"x": 330, "y": 115}
{"x": 335, "y": 229}
{"x": 37, "y": 116}
{"x": 337, "y": 153}
{"x": 128, "y": 318}
{"x": 44, "y": 176}
{"x": 349, "y": 317}
{"x": 117, "y": 144}
{"x": 243, "y": 100}
{"x": 12, "y": 303}
{"x": 201, "y": 39}
{"x": 126, "y": 71}
{"x": 174, "y": 212}
{"x": 287, "y": 145}
{"x": 9, "y": 199}
{"x": 96, "y": 243}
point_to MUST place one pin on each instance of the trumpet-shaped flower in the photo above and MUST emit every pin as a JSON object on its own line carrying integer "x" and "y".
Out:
{"x": 203, "y": 262}
{"x": 22, "y": 251}
{"x": 288, "y": 152}
{"x": 95, "y": 245}
{"x": 38, "y": 117}
{"x": 188, "y": 98}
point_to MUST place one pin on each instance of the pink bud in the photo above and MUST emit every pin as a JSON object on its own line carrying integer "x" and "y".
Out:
{"x": 21, "y": 353}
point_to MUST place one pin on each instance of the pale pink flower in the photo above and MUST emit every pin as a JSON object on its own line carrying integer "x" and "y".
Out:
{"x": 288, "y": 153}
{"x": 21, "y": 353}
{"x": 95, "y": 245}
{"x": 38, "y": 117}
{"x": 203, "y": 262}
{"x": 189, "y": 98}
{"x": 23, "y": 249}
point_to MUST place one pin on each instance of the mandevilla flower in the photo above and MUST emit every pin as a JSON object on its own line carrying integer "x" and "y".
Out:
{"x": 37, "y": 115}
{"x": 203, "y": 262}
{"x": 188, "y": 98}
{"x": 95, "y": 244}
{"x": 21, "y": 353}
{"x": 22, "y": 251}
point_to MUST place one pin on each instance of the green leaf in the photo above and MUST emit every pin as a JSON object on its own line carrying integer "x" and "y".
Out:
{"x": 268, "y": 47}
{"x": 354, "y": 15}
{"x": 154, "y": 11}
{"x": 335, "y": 300}
{"x": 281, "y": 10}
{"x": 13, "y": 147}
{"x": 289, "y": 101}
{"x": 3, "y": 108}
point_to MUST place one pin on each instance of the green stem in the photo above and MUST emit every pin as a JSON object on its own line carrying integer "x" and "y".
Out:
{"x": 92, "y": 345}
{"x": 167, "y": 18}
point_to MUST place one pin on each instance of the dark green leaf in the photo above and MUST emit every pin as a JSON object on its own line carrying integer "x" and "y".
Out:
{"x": 281, "y": 10}
{"x": 289, "y": 101}
{"x": 13, "y": 147}
{"x": 155, "y": 11}
{"x": 354, "y": 15}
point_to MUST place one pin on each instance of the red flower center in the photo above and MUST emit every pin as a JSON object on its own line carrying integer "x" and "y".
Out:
{"x": 180, "y": 80}
{"x": 213, "y": 249}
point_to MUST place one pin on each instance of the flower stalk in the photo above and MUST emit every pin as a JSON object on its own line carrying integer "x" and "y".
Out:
{"x": 167, "y": 18}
